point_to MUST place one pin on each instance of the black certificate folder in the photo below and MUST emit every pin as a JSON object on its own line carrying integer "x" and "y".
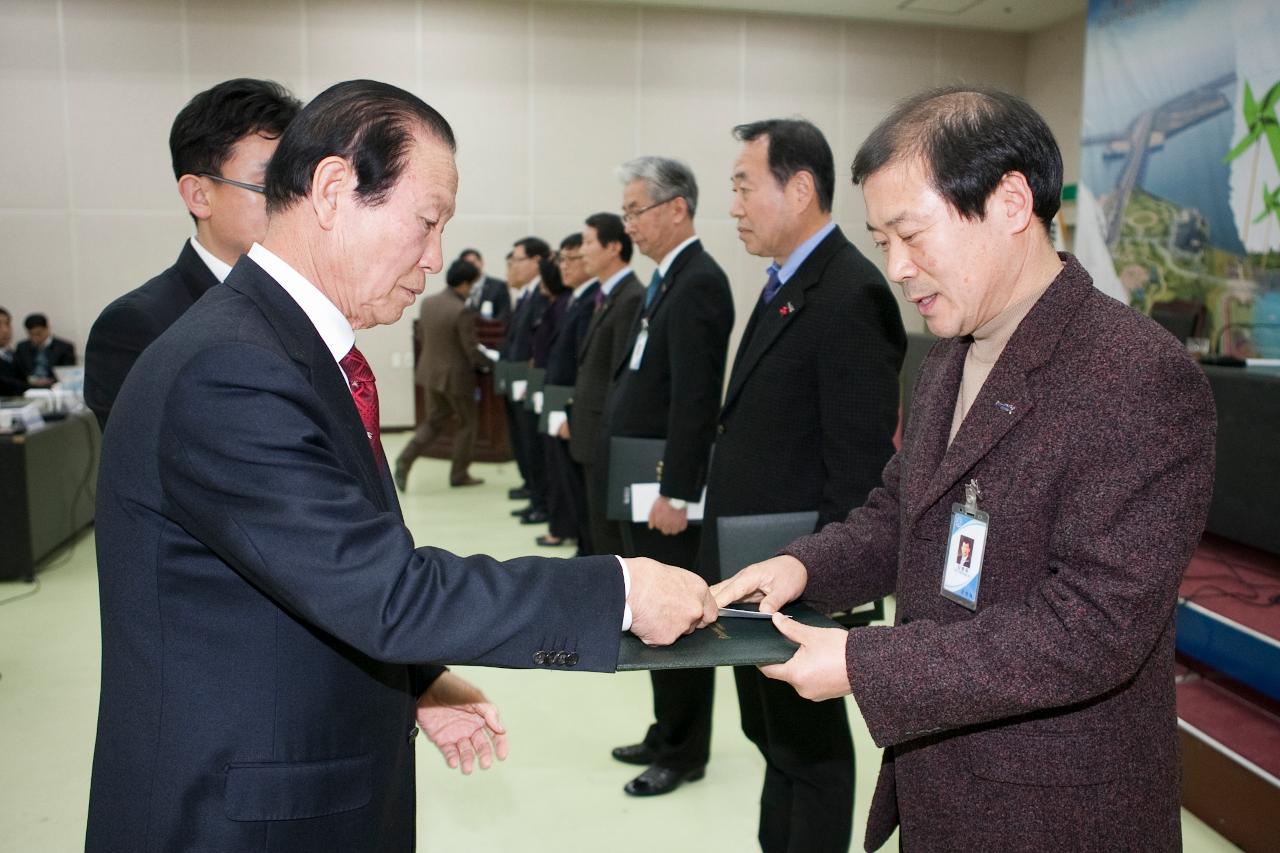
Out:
{"x": 726, "y": 642}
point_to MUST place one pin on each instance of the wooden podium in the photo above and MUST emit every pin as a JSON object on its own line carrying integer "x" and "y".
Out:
{"x": 491, "y": 424}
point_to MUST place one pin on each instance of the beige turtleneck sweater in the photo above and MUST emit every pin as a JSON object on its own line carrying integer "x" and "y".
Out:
{"x": 989, "y": 341}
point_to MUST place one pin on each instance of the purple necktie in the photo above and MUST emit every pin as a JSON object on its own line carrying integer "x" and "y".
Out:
{"x": 772, "y": 286}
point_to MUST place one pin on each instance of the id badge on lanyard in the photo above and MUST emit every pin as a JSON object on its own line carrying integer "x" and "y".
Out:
{"x": 642, "y": 340}
{"x": 966, "y": 544}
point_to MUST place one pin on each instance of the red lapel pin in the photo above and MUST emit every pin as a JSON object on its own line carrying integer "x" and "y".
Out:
{"x": 786, "y": 309}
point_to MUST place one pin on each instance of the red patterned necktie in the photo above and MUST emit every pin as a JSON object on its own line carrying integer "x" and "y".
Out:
{"x": 364, "y": 391}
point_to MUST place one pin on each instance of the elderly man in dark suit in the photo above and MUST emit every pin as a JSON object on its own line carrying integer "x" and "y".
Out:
{"x": 1026, "y": 702}
{"x": 606, "y": 254}
{"x": 448, "y": 360}
{"x": 219, "y": 146}
{"x": 270, "y": 633}
{"x": 41, "y": 352}
{"x": 807, "y": 424}
{"x": 667, "y": 385}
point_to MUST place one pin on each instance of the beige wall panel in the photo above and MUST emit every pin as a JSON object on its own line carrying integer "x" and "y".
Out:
{"x": 32, "y": 133}
{"x": 367, "y": 40}
{"x": 247, "y": 38}
{"x": 124, "y": 85}
{"x": 36, "y": 259}
{"x": 584, "y": 105}
{"x": 475, "y": 70}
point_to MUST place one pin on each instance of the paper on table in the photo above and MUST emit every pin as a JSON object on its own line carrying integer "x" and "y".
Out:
{"x": 643, "y": 496}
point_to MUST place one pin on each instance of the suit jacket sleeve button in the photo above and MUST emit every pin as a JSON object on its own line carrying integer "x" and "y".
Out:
{"x": 571, "y": 659}
{"x": 540, "y": 657}
{"x": 561, "y": 657}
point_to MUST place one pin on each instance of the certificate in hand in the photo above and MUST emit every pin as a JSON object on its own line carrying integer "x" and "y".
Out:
{"x": 729, "y": 641}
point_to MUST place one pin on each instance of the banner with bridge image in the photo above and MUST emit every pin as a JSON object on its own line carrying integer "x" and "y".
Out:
{"x": 1179, "y": 197}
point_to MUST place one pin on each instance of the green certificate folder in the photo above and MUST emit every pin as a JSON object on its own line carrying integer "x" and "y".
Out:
{"x": 631, "y": 460}
{"x": 725, "y": 642}
{"x": 554, "y": 399}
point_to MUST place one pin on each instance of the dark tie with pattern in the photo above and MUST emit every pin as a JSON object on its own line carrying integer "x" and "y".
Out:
{"x": 772, "y": 286}
{"x": 364, "y": 391}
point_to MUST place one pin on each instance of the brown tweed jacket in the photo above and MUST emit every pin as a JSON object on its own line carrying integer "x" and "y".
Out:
{"x": 449, "y": 359}
{"x": 1045, "y": 720}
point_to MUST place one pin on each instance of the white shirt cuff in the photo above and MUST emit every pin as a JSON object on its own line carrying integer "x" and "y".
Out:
{"x": 626, "y": 595}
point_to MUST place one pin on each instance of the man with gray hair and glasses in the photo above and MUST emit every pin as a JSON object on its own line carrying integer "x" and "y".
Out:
{"x": 668, "y": 387}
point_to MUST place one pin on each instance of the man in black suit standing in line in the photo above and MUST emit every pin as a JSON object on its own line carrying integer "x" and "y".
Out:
{"x": 668, "y": 386}
{"x": 522, "y": 274}
{"x": 567, "y": 493}
{"x": 488, "y": 292}
{"x": 807, "y": 424}
{"x": 41, "y": 352}
{"x": 606, "y": 254}
{"x": 219, "y": 145}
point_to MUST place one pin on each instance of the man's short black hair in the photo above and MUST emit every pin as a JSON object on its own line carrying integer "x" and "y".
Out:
{"x": 212, "y": 122}
{"x": 469, "y": 251}
{"x": 549, "y": 270}
{"x": 967, "y": 140}
{"x": 461, "y": 272}
{"x": 610, "y": 229}
{"x": 4, "y": 312}
{"x": 795, "y": 145}
{"x": 35, "y": 321}
{"x": 573, "y": 241}
{"x": 367, "y": 123}
{"x": 534, "y": 247}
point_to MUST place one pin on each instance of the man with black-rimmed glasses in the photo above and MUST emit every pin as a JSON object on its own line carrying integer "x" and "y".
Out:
{"x": 220, "y": 144}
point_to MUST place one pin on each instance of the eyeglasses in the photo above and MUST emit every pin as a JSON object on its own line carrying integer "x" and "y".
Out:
{"x": 629, "y": 216}
{"x": 241, "y": 184}
{"x": 568, "y": 259}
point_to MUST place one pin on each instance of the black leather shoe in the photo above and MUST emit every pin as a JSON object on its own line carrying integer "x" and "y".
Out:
{"x": 636, "y": 753}
{"x": 535, "y": 516}
{"x": 520, "y": 494}
{"x": 659, "y": 780}
{"x": 522, "y": 511}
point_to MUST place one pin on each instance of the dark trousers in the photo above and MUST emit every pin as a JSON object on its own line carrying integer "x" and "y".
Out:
{"x": 518, "y": 450}
{"x": 566, "y": 495}
{"x": 535, "y": 458}
{"x": 604, "y": 534}
{"x": 682, "y": 698}
{"x": 441, "y": 408}
{"x": 806, "y": 805}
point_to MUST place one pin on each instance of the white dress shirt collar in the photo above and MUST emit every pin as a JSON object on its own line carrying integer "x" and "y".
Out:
{"x": 609, "y": 285}
{"x": 333, "y": 328}
{"x": 671, "y": 256}
{"x": 216, "y": 265}
{"x": 582, "y": 288}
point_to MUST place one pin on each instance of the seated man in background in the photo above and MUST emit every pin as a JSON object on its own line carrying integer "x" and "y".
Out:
{"x": 219, "y": 146}
{"x": 448, "y": 359}
{"x": 41, "y": 352}
{"x": 12, "y": 381}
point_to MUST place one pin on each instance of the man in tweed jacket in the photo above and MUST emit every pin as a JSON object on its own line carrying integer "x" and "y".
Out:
{"x": 1043, "y": 719}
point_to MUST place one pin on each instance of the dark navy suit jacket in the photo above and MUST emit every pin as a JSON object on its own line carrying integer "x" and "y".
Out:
{"x": 129, "y": 324}
{"x": 265, "y": 614}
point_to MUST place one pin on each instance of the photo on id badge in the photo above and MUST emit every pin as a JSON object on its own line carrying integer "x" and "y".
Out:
{"x": 963, "y": 569}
